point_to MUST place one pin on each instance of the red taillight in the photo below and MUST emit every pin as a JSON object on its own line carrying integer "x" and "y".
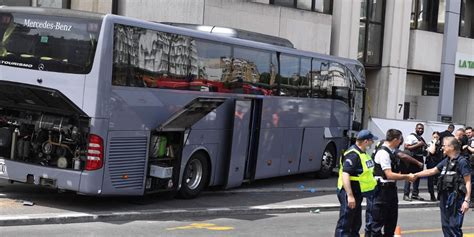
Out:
{"x": 95, "y": 153}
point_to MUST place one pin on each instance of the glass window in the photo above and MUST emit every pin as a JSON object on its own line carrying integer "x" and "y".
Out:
{"x": 48, "y": 43}
{"x": 374, "y": 44}
{"x": 15, "y": 2}
{"x": 323, "y": 6}
{"x": 467, "y": 19}
{"x": 284, "y": 3}
{"x": 304, "y": 4}
{"x": 305, "y": 76}
{"x": 441, "y": 16}
{"x": 289, "y": 75}
{"x": 253, "y": 72}
{"x": 363, "y": 10}
{"x": 320, "y": 79}
{"x": 371, "y": 32}
{"x": 54, "y": 3}
{"x": 361, "y": 46}
{"x": 376, "y": 10}
{"x": 340, "y": 82}
{"x": 214, "y": 67}
{"x": 153, "y": 59}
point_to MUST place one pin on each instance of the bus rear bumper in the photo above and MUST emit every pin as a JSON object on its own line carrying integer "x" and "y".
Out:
{"x": 40, "y": 175}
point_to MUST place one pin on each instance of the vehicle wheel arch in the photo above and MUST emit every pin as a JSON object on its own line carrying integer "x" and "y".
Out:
{"x": 325, "y": 172}
{"x": 202, "y": 153}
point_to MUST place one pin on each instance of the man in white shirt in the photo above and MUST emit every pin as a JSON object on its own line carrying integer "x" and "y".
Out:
{"x": 385, "y": 207}
{"x": 417, "y": 147}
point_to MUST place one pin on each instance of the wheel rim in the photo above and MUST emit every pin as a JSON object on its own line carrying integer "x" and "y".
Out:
{"x": 327, "y": 160}
{"x": 194, "y": 173}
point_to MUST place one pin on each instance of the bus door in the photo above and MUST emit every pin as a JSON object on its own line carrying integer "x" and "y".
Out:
{"x": 357, "y": 104}
{"x": 244, "y": 142}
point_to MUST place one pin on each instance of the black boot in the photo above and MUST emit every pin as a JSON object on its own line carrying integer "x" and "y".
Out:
{"x": 433, "y": 197}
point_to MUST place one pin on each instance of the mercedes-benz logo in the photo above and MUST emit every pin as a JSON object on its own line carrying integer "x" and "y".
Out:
{"x": 41, "y": 66}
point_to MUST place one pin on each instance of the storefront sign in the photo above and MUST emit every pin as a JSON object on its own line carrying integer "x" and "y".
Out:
{"x": 464, "y": 64}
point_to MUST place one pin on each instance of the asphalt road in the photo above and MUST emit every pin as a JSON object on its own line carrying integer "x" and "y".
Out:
{"x": 413, "y": 222}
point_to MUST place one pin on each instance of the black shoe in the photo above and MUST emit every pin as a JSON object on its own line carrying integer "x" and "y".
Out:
{"x": 416, "y": 197}
{"x": 406, "y": 198}
{"x": 433, "y": 198}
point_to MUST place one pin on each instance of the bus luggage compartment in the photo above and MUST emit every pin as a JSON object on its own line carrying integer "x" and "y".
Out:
{"x": 41, "y": 126}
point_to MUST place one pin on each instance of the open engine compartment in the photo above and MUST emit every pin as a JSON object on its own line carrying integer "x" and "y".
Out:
{"x": 43, "y": 139}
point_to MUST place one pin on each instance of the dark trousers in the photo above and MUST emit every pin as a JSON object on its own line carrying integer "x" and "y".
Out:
{"x": 350, "y": 220}
{"x": 369, "y": 220}
{"x": 385, "y": 211}
{"x": 451, "y": 216}
{"x": 432, "y": 180}
{"x": 406, "y": 188}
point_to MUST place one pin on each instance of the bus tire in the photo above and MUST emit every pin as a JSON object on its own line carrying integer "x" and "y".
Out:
{"x": 328, "y": 162}
{"x": 195, "y": 176}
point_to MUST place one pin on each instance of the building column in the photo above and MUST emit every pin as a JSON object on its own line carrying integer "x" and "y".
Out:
{"x": 448, "y": 58}
{"x": 387, "y": 85}
{"x": 345, "y": 28}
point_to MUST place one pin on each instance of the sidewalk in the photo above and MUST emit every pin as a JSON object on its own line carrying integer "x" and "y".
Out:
{"x": 290, "y": 195}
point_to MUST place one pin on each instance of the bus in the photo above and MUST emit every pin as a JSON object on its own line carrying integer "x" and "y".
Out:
{"x": 110, "y": 105}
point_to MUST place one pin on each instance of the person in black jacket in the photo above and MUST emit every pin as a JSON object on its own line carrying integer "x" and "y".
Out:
{"x": 435, "y": 155}
{"x": 446, "y": 133}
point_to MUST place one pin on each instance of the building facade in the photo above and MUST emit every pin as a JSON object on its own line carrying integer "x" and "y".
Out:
{"x": 399, "y": 42}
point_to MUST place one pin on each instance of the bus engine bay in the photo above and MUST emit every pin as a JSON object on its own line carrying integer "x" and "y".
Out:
{"x": 42, "y": 139}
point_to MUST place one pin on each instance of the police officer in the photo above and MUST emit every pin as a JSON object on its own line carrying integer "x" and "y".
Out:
{"x": 454, "y": 186}
{"x": 404, "y": 159}
{"x": 417, "y": 146}
{"x": 386, "y": 171}
{"x": 355, "y": 179}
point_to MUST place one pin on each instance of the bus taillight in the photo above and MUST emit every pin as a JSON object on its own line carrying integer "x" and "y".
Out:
{"x": 95, "y": 153}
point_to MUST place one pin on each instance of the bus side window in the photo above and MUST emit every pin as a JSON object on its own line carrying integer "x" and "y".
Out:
{"x": 151, "y": 58}
{"x": 213, "y": 67}
{"x": 305, "y": 76}
{"x": 289, "y": 75}
{"x": 340, "y": 82}
{"x": 252, "y": 71}
{"x": 320, "y": 78}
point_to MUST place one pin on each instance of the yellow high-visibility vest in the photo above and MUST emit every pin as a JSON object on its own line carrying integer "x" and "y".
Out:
{"x": 366, "y": 179}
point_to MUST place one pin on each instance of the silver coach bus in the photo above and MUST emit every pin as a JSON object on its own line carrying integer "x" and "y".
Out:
{"x": 110, "y": 105}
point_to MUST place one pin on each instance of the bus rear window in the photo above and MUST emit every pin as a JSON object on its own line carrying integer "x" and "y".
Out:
{"x": 48, "y": 43}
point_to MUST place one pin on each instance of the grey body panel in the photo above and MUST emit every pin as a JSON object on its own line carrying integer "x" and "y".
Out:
{"x": 311, "y": 152}
{"x": 18, "y": 171}
{"x": 125, "y": 169}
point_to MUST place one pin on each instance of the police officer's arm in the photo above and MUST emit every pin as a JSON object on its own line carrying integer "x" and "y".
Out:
{"x": 346, "y": 183}
{"x": 396, "y": 176}
{"x": 428, "y": 172}
{"x": 407, "y": 158}
{"x": 467, "y": 198}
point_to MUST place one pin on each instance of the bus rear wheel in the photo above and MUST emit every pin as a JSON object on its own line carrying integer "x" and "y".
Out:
{"x": 195, "y": 176}
{"x": 328, "y": 163}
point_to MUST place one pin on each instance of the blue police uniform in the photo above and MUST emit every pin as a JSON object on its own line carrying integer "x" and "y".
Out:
{"x": 451, "y": 200}
{"x": 350, "y": 221}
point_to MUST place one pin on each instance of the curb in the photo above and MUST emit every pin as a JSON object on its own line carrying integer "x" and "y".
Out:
{"x": 67, "y": 218}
